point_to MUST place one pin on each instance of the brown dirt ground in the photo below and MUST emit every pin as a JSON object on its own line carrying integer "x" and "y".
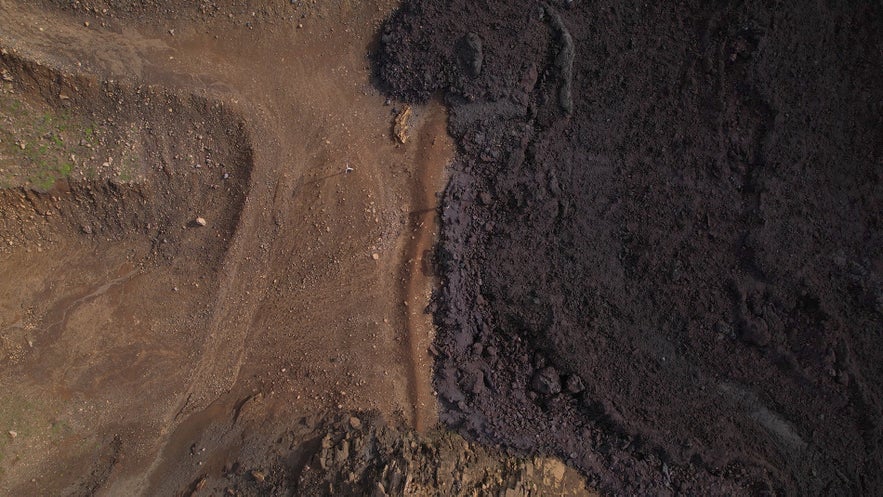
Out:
{"x": 141, "y": 352}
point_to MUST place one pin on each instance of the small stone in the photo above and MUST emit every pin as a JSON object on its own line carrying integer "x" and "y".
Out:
{"x": 401, "y": 126}
{"x": 375, "y": 256}
{"x": 379, "y": 491}
{"x": 546, "y": 381}
{"x": 86, "y": 229}
{"x": 200, "y": 221}
{"x": 477, "y": 386}
{"x": 755, "y": 332}
{"x": 13, "y": 434}
{"x": 574, "y": 384}
{"x": 355, "y": 423}
{"x": 471, "y": 53}
{"x": 258, "y": 475}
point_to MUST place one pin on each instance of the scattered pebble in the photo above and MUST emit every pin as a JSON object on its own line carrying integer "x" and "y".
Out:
{"x": 200, "y": 221}
{"x": 355, "y": 423}
{"x": 546, "y": 381}
{"x": 574, "y": 384}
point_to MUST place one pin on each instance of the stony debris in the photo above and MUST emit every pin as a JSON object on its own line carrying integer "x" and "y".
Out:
{"x": 381, "y": 460}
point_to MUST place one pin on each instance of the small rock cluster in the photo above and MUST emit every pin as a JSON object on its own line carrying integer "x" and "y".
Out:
{"x": 364, "y": 456}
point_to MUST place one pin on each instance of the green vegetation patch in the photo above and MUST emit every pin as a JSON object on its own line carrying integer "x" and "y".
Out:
{"x": 39, "y": 145}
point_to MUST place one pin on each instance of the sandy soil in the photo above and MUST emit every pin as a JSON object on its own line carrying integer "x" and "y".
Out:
{"x": 133, "y": 338}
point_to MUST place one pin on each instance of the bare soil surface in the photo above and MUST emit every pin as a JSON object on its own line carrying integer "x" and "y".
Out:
{"x": 659, "y": 248}
{"x": 209, "y": 241}
{"x": 661, "y": 244}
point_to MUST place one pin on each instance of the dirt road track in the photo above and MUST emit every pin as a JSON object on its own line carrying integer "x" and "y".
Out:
{"x": 433, "y": 149}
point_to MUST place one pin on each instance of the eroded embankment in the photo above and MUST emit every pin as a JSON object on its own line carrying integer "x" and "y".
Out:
{"x": 107, "y": 276}
{"x": 99, "y": 160}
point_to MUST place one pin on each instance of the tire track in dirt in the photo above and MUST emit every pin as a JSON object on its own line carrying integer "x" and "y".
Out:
{"x": 434, "y": 149}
